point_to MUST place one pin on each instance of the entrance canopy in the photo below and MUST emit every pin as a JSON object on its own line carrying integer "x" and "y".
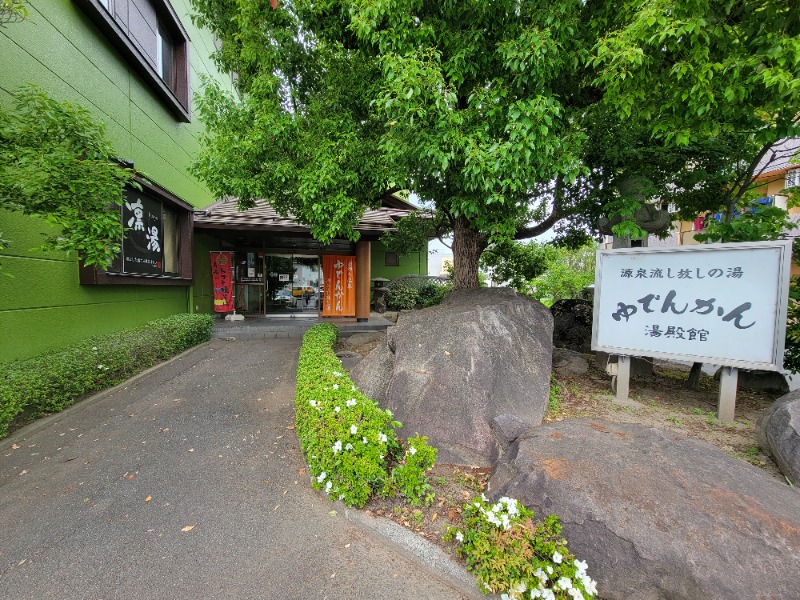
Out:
{"x": 225, "y": 214}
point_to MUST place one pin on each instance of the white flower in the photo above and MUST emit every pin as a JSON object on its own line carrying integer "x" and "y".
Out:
{"x": 557, "y": 557}
{"x": 348, "y": 447}
{"x": 505, "y": 597}
{"x": 99, "y": 366}
{"x": 541, "y": 575}
{"x": 459, "y": 536}
{"x": 549, "y": 570}
{"x": 337, "y": 447}
{"x": 94, "y": 348}
{"x": 576, "y": 594}
{"x": 581, "y": 565}
{"x": 380, "y": 456}
{"x": 337, "y": 374}
{"x": 483, "y": 497}
{"x": 548, "y": 595}
{"x": 336, "y": 409}
{"x": 363, "y": 439}
{"x": 313, "y": 403}
{"x": 353, "y": 429}
{"x": 351, "y": 402}
{"x": 382, "y": 437}
{"x": 336, "y": 386}
{"x": 535, "y": 593}
{"x": 565, "y": 583}
{"x": 412, "y": 451}
{"x": 328, "y": 487}
{"x": 352, "y": 388}
{"x": 588, "y": 584}
{"x": 321, "y": 477}
{"x": 520, "y": 588}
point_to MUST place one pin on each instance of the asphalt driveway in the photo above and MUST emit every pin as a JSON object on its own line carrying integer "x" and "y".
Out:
{"x": 186, "y": 482}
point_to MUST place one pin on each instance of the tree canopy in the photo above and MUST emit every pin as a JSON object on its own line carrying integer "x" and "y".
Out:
{"x": 508, "y": 116}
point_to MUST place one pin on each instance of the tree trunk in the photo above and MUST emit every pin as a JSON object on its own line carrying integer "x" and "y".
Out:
{"x": 694, "y": 376}
{"x": 467, "y": 247}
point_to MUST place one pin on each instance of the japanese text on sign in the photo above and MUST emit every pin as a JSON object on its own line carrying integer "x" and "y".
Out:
{"x": 718, "y": 303}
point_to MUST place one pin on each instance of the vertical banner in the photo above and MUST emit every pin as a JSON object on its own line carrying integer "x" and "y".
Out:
{"x": 222, "y": 280}
{"x": 339, "y": 273}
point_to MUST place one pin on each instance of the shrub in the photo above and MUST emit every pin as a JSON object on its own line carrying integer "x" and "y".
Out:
{"x": 511, "y": 553}
{"x": 431, "y": 293}
{"x": 53, "y": 381}
{"x": 349, "y": 442}
{"x": 402, "y": 296}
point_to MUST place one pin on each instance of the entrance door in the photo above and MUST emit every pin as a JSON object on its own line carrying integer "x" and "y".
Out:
{"x": 292, "y": 285}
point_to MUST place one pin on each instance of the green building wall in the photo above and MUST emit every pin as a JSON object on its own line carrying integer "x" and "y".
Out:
{"x": 42, "y": 305}
{"x": 413, "y": 263}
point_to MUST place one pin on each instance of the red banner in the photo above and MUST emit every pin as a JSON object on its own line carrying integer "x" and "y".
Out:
{"x": 222, "y": 280}
{"x": 339, "y": 274}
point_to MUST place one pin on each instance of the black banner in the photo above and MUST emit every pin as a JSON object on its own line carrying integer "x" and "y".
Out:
{"x": 143, "y": 240}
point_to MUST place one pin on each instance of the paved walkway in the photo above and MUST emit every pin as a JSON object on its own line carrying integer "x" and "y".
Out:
{"x": 187, "y": 482}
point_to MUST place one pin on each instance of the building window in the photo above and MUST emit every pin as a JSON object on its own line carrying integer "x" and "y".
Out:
{"x": 392, "y": 259}
{"x": 156, "y": 245}
{"x": 151, "y": 38}
{"x": 793, "y": 178}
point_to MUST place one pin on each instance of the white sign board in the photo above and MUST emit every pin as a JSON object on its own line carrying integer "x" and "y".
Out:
{"x": 723, "y": 304}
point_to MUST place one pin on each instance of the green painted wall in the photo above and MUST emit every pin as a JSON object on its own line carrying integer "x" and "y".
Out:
{"x": 43, "y": 307}
{"x": 203, "y": 290}
{"x": 414, "y": 263}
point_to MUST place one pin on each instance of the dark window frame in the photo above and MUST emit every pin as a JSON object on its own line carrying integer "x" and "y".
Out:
{"x": 178, "y": 99}
{"x": 394, "y": 261}
{"x": 91, "y": 275}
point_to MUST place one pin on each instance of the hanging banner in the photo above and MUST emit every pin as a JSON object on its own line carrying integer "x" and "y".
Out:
{"x": 142, "y": 253}
{"x": 339, "y": 274}
{"x": 222, "y": 280}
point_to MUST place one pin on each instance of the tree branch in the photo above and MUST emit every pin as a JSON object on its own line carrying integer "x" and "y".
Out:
{"x": 524, "y": 233}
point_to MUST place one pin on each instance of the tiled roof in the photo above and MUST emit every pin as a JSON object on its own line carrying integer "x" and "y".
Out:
{"x": 225, "y": 214}
{"x": 779, "y": 156}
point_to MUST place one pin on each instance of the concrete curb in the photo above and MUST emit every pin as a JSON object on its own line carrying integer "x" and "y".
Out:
{"x": 425, "y": 554}
{"x": 82, "y": 403}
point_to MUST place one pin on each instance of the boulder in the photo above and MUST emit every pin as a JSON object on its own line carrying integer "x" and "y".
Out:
{"x": 361, "y": 339}
{"x": 778, "y": 432}
{"x": 656, "y": 514}
{"x": 572, "y": 324}
{"x": 448, "y": 370}
{"x": 568, "y": 362}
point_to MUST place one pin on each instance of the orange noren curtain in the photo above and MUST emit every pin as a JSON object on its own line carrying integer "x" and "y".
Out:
{"x": 339, "y": 275}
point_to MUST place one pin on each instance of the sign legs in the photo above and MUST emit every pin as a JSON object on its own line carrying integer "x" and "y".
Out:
{"x": 623, "y": 377}
{"x": 727, "y": 394}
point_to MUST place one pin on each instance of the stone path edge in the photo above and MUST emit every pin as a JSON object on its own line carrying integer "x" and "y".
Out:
{"x": 417, "y": 549}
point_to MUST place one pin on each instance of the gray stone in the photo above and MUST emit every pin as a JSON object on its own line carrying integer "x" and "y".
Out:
{"x": 391, "y": 315}
{"x": 507, "y": 428}
{"x": 453, "y": 367}
{"x": 568, "y": 362}
{"x": 572, "y": 324}
{"x": 778, "y": 432}
{"x": 759, "y": 381}
{"x": 361, "y": 339}
{"x": 656, "y": 514}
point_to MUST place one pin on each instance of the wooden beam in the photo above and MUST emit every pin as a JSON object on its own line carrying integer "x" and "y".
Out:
{"x": 363, "y": 273}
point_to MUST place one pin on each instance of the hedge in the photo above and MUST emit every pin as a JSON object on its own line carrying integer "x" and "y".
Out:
{"x": 348, "y": 441}
{"x": 50, "y": 382}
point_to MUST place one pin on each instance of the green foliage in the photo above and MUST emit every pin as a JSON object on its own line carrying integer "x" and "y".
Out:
{"x": 55, "y": 162}
{"x": 53, "y": 381}
{"x": 510, "y": 552}
{"x": 554, "y": 401}
{"x": 412, "y": 234}
{"x": 402, "y": 295}
{"x": 761, "y": 223}
{"x": 12, "y": 11}
{"x": 409, "y": 476}
{"x": 543, "y": 271}
{"x": 349, "y": 443}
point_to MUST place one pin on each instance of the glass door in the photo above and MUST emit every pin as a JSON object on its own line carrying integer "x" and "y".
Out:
{"x": 292, "y": 285}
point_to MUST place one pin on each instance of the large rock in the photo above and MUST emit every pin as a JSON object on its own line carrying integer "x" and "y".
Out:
{"x": 778, "y": 432}
{"x": 572, "y": 324}
{"x": 658, "y": 515}
{"x": 448, "y": 370}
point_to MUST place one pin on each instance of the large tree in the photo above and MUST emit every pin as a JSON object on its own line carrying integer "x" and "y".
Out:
{"x": 472, "y": 105}
{"x": 485, "y": 109}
